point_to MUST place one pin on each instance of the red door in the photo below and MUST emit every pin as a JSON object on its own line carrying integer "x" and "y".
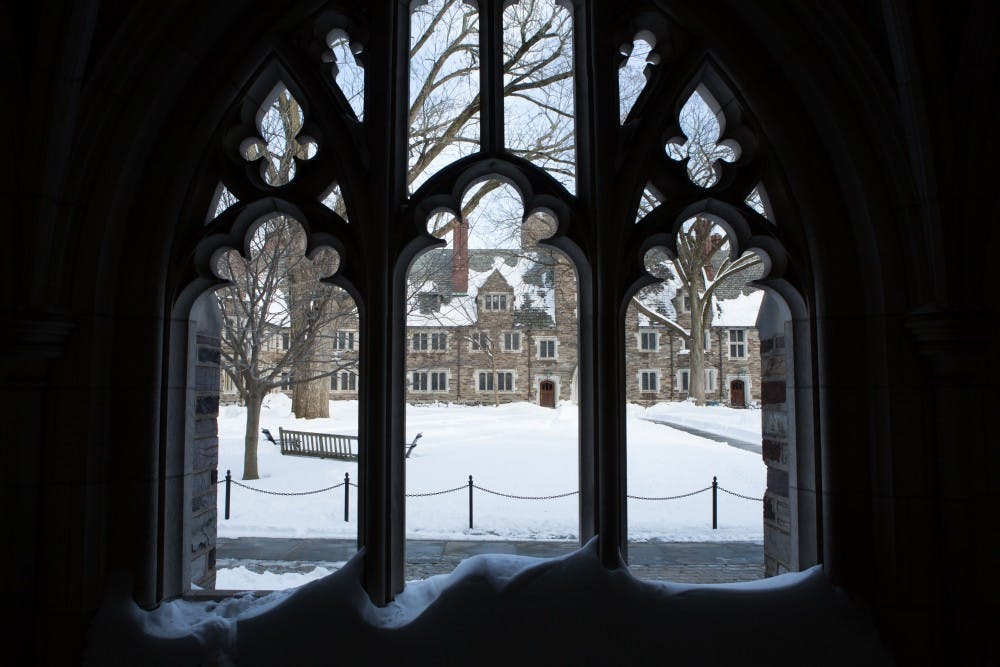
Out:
{"x": 737, "y": 395}
{"x": 547, "y": 394}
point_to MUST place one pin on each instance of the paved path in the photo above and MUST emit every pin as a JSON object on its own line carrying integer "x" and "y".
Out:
{"x": 693, "y": 562}
{"x": 754, "y": 447}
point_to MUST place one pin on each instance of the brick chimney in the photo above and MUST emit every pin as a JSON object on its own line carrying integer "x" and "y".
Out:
{"x": 460, "y": 258}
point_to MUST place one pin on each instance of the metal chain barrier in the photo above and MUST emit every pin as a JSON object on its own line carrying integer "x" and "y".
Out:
{"x": 683, "y": 495}
{"x": 471, "y": 486}
{"x": 511, "y": 495}
{"x": 740, "y": 495}
{"x": 436, "y": 493}
{"x": 287, "y": 493}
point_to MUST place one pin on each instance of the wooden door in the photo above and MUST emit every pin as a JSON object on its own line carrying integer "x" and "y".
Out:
{"x": 737, "y": 394}
{"x": 547, "y": 394}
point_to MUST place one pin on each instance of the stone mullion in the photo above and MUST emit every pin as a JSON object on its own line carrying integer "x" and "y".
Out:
{"x": 382, "y": 309}
{"x": 602, "y": 354}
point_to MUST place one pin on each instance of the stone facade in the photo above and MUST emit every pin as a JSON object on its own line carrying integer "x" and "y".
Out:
{"x": 732, "y": 356}
{"x": 501, "y": 326}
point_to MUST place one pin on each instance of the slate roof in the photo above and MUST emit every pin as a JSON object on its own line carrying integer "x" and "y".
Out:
{"x": 529, "y": 273}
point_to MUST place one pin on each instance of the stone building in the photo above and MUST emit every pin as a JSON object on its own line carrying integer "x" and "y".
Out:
{"x": 500, "y": 325}
{"x": 657, "y": 363}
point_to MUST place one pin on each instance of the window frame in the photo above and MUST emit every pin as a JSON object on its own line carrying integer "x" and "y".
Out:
{"x": 546, "y": 341}
{"x": 350, "y": 337}
{"x": 379, "y": 294}
{"x": 503, "y": 302}
{"x": 645, "y": 386}
{"x": 740, "y": 344}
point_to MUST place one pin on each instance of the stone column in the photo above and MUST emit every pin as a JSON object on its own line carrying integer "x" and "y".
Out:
{"x": 775, "y": 416}
{"x": 204, "y": 443}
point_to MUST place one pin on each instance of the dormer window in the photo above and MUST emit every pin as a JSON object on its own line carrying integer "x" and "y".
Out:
{"x": 495, "y": 301}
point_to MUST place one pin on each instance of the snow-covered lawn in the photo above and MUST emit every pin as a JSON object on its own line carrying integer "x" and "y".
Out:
{"x": 729, "y": 422}
{"x": 519, "y": 449}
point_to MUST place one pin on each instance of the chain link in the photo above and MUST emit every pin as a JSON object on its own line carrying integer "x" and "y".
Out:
{"x": 436, "y": 493}
{"x": 683, "y": 495}
{"x": 287, "y": 493}
{"x": 740, "y": 495}
{"x": 511, "y": 495}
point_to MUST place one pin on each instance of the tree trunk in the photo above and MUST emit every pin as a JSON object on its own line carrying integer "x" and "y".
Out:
{"x": 250, "y": 440}
{"x": 696, "y": 387}
{"x": 311, "y": 400}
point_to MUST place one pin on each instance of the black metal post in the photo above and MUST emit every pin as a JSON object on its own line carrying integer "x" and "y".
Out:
{"x": 715, "y": 503}
{"x": 347, "y": 494}
{"x": 470, "y": 501}
{"x": 229, "y": 483}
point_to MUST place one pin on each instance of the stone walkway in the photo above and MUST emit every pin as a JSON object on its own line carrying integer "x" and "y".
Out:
{"x": 690, "y": 562}
{"x": 754, "y": 447}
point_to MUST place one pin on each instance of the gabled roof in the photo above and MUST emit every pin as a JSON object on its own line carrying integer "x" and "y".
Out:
{"x": 528, "y": 274}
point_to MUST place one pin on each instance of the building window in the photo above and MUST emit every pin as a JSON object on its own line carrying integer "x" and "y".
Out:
{"x": 429, "y": 381}
{"x": 439, "y": 342}
{"x": 547, "y": 348}
{"x": 344, "y": 381}
{"x": 737, "y": 344}
{"x": 649, "y": 341}
{"x": 649, "y": 380}
{"x": 505, "y": 381}
{"x": 684, "y": 379}
{"x": 343, "y": 340}
{"x": 495, "y": 302}
{"x": 512, "y": 341}
{"x": 502, "y": 380}
{"x": 284, "y": 341}
{"x": 479, "y": 340}
{"x": 708, "y": 343}
{"x": 710, "y": 374}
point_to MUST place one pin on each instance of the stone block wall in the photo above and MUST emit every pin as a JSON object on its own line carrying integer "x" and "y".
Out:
{"x": 775, "y": 450}
{"x": 204, "y": 454}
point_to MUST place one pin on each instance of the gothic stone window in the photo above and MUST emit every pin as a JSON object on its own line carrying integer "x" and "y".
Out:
{"x": 336, "y": 145}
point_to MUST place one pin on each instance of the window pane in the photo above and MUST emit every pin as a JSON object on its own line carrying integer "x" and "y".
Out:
{"x": 444, "y": 86}
{"x": 538, "y": 86}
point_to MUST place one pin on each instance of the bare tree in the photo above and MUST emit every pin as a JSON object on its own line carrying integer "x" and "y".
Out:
{"x": 444, "y": 91}
{"x": 263, "y": 345}
{"x": 702, "y": 266}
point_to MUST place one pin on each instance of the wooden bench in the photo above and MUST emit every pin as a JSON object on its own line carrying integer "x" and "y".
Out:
{"x": 324, "y": 445}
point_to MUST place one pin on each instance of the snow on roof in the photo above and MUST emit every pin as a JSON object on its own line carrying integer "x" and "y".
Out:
{"x": 740, "y": 311}
{"x": 529, "y": 278}
{"x": 460, "y": 311}
{"x": 659, "y": 298}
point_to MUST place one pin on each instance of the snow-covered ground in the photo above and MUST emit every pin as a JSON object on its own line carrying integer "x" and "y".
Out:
{"x": 730, "y": 422}
{"x": 519, "y": 449}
